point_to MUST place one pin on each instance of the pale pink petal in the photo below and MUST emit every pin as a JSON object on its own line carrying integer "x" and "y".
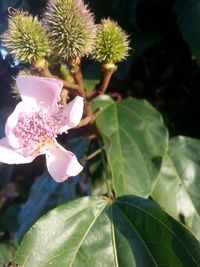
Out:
{"x": 61, "y": 163}
{"x": 39, "y": 90}
{"x": 12, "y": 122}
{"x": 72, "y": 114}
{"x": 9, "y": 155}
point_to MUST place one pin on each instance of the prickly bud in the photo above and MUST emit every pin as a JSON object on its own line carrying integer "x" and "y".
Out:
{"x": 71, "y": 28}
{"x": 112, "y": 44}
{"x": 26, "y": 39}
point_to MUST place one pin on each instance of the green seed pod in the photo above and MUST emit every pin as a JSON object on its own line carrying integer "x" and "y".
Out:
{"x": 112, "y": 44}
{"x": 26, "y": 39}
{"x": 71, "y": 28}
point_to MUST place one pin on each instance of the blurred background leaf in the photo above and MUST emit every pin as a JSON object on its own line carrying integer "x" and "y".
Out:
{"x": 188, "y": 19}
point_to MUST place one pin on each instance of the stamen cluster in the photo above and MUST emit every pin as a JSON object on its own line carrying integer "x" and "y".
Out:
{"x": 36, "y": 128}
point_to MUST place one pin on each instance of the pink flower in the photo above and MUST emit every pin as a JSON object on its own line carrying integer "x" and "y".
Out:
{"x": 32, "y": 128}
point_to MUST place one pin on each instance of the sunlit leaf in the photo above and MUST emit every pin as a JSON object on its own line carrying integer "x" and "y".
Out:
{"x": 95, "y": 232}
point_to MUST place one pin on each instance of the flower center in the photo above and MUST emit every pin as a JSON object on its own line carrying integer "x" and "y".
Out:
{"x": 35, "y": 130}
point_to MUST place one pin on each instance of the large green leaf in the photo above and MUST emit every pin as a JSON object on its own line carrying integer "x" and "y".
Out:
{"x": 135, "y": 139}
{"x": 178, "y": 186}
{"x": 95, "y": 232}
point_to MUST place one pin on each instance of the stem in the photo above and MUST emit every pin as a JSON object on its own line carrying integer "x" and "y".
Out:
{"x": 75, "y": 69}
{"x": 108, "y": 70}
{"x": 94, "y": 154}
{"x": 84, "y": 122}
{"x": 46, "y": 73}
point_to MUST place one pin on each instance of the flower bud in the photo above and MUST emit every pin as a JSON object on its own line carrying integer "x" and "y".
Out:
{"x": 71, "y": 28}
{"x": 26, "y": 39}
{"x": 112, "y": 43}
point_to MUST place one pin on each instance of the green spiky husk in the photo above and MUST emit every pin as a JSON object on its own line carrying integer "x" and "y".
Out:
{"x": 112, "y": 44}
{"x": 26, "y": 39}
{"x": 71, "y": 28}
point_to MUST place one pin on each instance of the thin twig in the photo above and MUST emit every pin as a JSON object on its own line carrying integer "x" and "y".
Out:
{"x": 102, "y": 87}
{"x": 94, "y": 154}
{"x": 84, "y": 122}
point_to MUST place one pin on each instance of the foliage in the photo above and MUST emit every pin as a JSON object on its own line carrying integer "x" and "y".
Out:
{"x": 129, "y": 226}
{"x": 135, "y": 139}
{"x": 177, "y": 188}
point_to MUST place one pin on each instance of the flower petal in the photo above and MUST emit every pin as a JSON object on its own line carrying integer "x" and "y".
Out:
{"x": 12, "y": 122}
{"x": 72, "y": 114}
{"x": 39, "y": 90}
{"x": 10, "y": 156}
{"x": 61, "y": 163}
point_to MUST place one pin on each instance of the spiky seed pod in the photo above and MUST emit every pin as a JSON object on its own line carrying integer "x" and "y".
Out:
{"x": 26, "y": 39}
{"x": 112, "y": 44}
{"x": 71, "y": 28}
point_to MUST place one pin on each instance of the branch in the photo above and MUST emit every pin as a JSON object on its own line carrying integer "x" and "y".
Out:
{"x": 108, "y": 70}
{"x": 46, "y": 73}
{"x": 75, "y": 69}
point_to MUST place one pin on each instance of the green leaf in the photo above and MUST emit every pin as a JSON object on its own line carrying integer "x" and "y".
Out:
{"x": 7, "y": 252}
{"x": 135, "y": 139}
{"x": 101, "y": 101}
{"x": 188, "y": 20}
{"x": 94, "y": 232}
{"x": 98, "y": 176}
{"x": 178, "y": 186}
